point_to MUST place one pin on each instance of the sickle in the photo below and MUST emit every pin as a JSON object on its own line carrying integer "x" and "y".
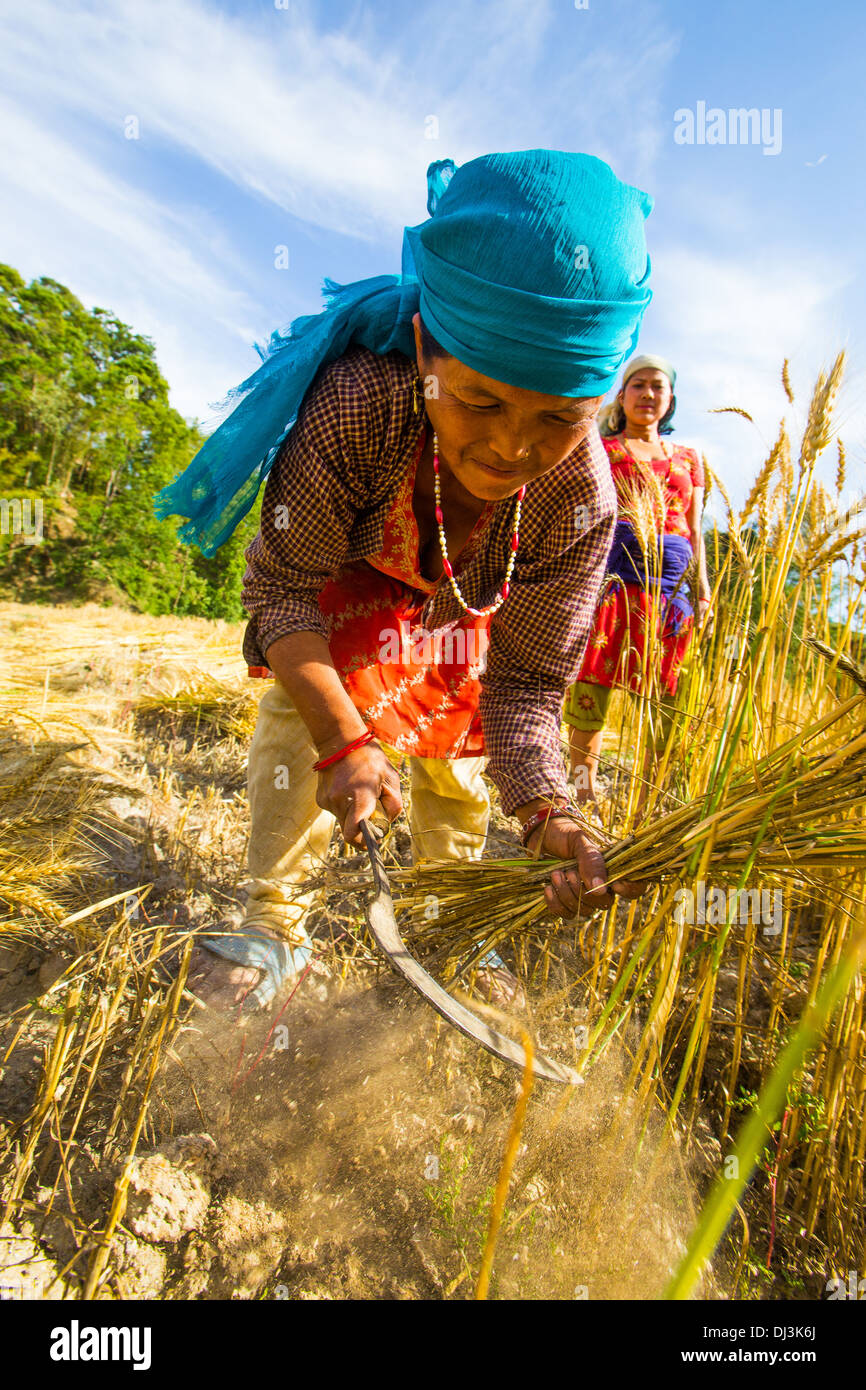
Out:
{"x": 383, "y": 925}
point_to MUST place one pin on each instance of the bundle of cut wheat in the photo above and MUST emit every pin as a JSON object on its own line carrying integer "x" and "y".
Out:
{"x": 202, "y": 699}
{"x": 54, "y": 826}
{"x": 794, "y": 815}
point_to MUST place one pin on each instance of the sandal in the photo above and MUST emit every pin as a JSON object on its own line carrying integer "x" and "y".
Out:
{"x": 278, "y": 962}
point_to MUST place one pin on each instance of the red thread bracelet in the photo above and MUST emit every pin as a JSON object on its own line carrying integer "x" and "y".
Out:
{"x": 548, "y": 813}
{"x": 359, "y": 742}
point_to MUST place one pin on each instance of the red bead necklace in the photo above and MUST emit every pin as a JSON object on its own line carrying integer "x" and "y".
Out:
{"x": 446, "y": 563}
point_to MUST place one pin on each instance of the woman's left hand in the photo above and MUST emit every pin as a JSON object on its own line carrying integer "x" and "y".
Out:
{"x": 571, "y": 893}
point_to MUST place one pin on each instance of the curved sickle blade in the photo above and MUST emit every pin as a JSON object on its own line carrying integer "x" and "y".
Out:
{"x": 383, "y": 925}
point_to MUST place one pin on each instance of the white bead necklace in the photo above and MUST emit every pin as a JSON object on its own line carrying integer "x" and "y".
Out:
{"x": 446, "y": 563}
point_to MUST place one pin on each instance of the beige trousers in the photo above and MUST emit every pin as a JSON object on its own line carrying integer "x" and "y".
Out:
{"x": 449, "y": 810}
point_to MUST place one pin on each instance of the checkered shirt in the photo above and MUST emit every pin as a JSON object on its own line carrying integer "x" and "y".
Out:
{"x": 325, "y": 503}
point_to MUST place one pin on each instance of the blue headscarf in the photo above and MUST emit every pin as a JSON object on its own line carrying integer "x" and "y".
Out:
{"x": 531, "y": 269}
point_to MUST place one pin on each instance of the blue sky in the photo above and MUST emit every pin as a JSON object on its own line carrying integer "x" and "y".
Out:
{"x": 306, "y": 126}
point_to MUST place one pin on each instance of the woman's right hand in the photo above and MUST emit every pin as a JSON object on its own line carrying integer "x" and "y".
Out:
{"x": 351, "y": 788}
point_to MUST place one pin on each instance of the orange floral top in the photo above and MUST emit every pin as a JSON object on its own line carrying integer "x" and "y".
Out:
{"x": 419, "y": 690}
{"x": 679, "y": 475}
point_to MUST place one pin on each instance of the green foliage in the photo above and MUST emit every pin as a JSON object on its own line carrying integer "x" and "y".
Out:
{"x": 808, "y": 617}
{"x": 460, "y": 1217}
{"x": 87, "y": 433}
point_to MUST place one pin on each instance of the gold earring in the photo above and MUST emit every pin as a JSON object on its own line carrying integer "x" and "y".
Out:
{"x": 417, "y": 400}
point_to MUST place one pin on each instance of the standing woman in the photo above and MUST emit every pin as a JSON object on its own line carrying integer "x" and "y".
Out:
{"x": 643, "y": 465}
{"x": 435, "y": 468}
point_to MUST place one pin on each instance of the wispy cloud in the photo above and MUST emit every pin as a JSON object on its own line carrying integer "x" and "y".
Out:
{"x": 255, "y": 115}
{"x": 156, "y": 239}
{"x": 326, "y": 123}
{"x": 119, "y": 248}
{"x": 331, "y": 126}
{"x": 729, "y": 325}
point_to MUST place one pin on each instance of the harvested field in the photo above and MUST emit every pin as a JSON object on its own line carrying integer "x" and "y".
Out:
{"x": 349, "y": 1149}
{"x": 349, "y": 1146}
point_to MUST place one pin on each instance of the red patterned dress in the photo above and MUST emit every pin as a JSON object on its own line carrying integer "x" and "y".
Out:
{"x": 418, "y": 690}
{"x": 615, "y": 651}
{"x": 336, "y": 554}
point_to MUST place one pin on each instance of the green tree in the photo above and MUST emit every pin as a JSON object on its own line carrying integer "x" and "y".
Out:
{"x": 86, "y": 429}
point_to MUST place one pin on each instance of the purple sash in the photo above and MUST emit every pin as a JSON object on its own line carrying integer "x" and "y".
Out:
{"x": 626, "y": 561}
